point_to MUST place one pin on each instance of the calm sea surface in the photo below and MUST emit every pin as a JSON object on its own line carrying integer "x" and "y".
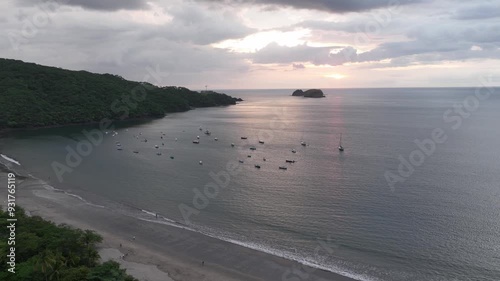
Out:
{"x": 332, "y": 210}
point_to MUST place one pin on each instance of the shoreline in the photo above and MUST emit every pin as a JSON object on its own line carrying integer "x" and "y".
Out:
{"x": 176, "y": 252}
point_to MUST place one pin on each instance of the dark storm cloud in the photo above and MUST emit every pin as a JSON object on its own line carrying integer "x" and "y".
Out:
{"x": 334, "y": 6}
{"x": 100, "y": 5}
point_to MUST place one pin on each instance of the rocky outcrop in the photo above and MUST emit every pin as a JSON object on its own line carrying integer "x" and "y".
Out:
{"x": 312, "y": 93}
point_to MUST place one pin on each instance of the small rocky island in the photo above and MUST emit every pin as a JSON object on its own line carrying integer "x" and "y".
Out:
{"x": 312, "y": 93}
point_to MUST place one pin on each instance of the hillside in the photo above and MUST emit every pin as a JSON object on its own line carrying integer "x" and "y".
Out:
{"x": 33, "y": 95}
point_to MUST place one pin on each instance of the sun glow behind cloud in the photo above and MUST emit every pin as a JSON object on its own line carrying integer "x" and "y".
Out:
{"x": 337, "y": 76}
{"x": 257, "y": 41}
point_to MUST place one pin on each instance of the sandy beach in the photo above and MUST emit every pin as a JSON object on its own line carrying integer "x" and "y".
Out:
{"x": 151, "y": 251}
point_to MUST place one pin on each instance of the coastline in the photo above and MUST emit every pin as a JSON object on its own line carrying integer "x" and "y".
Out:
{"x": 173, "y": 251}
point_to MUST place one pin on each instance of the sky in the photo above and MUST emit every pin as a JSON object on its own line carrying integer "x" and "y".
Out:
{"x": 264, "y": 44}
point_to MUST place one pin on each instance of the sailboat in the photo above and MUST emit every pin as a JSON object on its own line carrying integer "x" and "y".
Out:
{"x": 341, "y": 148}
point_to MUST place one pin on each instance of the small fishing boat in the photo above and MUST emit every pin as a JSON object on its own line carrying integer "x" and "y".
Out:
{"x": 196, "y": 141}
{"x": 156, "y": 146}
{"x": 241, "y": 161}
{"x": 283, "y": 168}
{"x": 159, "y": 153}
{"x": 257, "y": 166}
{"x": 244, "y": 138}
{"x": 249, "y": 156}
{"x": 198, "y": 137}
{"x": 290, "y": 161}
{"x": 216, "y": 139}
{"x": 119, "y": 148}
{"x": 171, "y": 157}
{"x": 232, "y": 144}
{"x": 341, "y": 148}
{"x": 253, "y": 148}
{"x": 208, "y": 133}
{"x": 261, "y": 142}
{"x": 303, "y": 143}
{"x": 201, "y": 162}
{"x": 294, "y": 151}
{"x": 135, "y": 151}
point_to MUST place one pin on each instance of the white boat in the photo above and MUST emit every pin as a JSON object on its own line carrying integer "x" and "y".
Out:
{"x": 216, "y": 139}
{"x": 303, "y": 143}
{"x": 294, "y": 151}
{"x": 156, "y": 146}
{"x": 196, "y": 141}
{"x": 201, "y": 162}
{"x": 241, "y": 161}
{"x": 198, "y": 137}
{"x": 261, "y": 142}
{"x": 232, "y": 144}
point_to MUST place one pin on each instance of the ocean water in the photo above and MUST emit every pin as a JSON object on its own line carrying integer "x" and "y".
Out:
{"x": 332, "y": 210}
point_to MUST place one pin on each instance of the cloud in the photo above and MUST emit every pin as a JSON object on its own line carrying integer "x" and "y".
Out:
{"x": 192, "y": 23}
{"x": 478, "y": 12}
{"x": 274, "y": 53}
{"x": 333, "y": 6}
{"x": 100, "y": 5}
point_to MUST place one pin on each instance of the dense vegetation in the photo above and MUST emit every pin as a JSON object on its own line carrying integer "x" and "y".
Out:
{"x": 32, "y": 95}
{"x": 45, "y": 251}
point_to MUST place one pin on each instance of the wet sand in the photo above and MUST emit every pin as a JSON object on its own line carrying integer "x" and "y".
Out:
{"x": 157, "y": 251}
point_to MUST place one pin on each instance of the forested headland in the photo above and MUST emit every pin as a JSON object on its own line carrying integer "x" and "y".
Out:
{"x": 33, "y": 95}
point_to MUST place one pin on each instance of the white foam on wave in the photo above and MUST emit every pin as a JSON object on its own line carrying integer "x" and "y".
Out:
{"x": 49, "y": 187}
{"x": 148, "y": 212}
{"x": 169, "y": 222}
{"x": 291, "y": 256}
{"x": 10, "y": 159}
{"x": 83, "y": 200}
{"x": 266, "y": 249}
